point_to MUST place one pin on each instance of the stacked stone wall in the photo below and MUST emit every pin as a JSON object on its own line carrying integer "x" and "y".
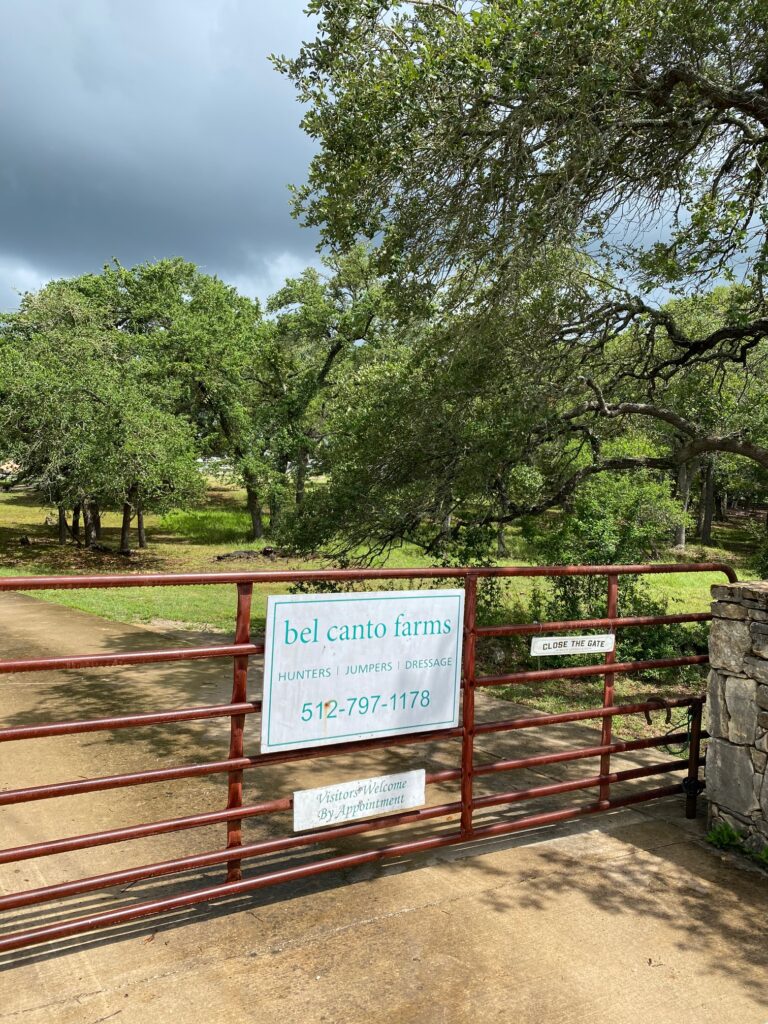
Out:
{"x": 737, "y": 701}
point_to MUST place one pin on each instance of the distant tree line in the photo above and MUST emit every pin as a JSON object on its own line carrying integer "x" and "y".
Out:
{"x": 118, "y": 389}
{"x": 355, "y": 422}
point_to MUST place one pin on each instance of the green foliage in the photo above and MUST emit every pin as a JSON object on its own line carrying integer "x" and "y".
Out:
{"x": 471, "y": 135}
{"x": 545, "y": 172}
{"x": 725, "y": 837}
{"x": 613, "y": 520}
{"x": 86, "y": 413}
{"x": 430, "y": 439}
{"x": 117, "y": 386}
{"x": 759, "y": 545}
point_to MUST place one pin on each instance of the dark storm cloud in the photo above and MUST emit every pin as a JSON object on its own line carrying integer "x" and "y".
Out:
{"x": 145, "y": 130}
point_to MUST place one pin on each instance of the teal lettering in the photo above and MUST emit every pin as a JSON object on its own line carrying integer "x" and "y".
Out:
{"x": 307, "y": 635}
{"x": 421, "y": 627}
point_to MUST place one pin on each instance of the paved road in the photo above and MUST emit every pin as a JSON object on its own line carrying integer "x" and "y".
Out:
{"x": 627, "y": 917}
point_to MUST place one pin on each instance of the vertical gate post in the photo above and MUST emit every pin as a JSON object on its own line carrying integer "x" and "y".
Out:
{"x": 468, "y": 703}
{"x": 237, "y": 724}
{"x": 694, "y": 753}
{"x": 606, "y": 734}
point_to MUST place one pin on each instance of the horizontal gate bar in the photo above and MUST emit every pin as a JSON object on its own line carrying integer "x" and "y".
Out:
{"x": 577, "y": 671}
{"x": 552, "y": 817}
{"x": 22, "y": 796}
{"x": 76, "y": 926}
{"x": 536, "y": 792}
{"x": 25, "y": 732}
{"x": 533, "y": 721}
{"x": 120, "y": 835}
{"x": 523, "y": 629}
{"x": 81, "y": 886}
{"x": 56, "y": 789}
{"x": 346, "y": 575}
{"x": 22, "y": 732}
{"x": 234, "y": 650}
{"x": 617, "y": 747}
{"x": 130, "y": 658}
{"x": 201, "y": 860}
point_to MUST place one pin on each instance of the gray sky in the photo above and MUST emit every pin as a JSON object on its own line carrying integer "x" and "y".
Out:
{"x": 147, "y": 129}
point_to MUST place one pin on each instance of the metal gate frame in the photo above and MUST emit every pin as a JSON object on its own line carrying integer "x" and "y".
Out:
{"x": 237, "y": 762}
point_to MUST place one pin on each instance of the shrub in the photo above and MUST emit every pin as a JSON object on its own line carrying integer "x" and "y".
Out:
{"x": 612, "y": 520}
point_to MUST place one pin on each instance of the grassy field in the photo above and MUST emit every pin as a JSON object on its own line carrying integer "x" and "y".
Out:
{"x": 190, "y": 541}
{"x": 179, "y": 542}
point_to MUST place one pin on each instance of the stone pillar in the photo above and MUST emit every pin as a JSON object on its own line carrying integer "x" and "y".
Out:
{"x": 737, "y": 702}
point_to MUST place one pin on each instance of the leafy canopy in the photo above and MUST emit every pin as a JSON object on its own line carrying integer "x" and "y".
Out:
{"x": 473, "y": 135}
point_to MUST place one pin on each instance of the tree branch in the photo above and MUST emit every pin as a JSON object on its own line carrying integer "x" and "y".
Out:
{"x": 568, "y": 486}
{"x": 699, "y": 442}
{"x": 434, "y": 5}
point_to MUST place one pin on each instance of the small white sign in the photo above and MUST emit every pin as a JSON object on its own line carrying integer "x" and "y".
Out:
{"x": 549, "y": 645}
{"x": 346, "y": 667}
{"x": 360, "y": 798}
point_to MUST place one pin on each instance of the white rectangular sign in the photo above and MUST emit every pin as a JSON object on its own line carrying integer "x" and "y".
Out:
{"x": 360, "y": 798}
{"x": 549, "y": 645}
{"x": 345, "y": 667}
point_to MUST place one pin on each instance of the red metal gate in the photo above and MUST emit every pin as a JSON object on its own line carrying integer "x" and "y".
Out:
{"x": 240, "y": 707}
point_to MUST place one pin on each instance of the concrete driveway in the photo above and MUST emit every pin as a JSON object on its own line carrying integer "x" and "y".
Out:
{"x": 626, "y": 917}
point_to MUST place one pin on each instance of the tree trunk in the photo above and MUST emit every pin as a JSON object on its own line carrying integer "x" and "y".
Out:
{"x": 63, "y": 527}
{"x": 708, "y": 503}
{"x": 274, "y": 514}
{"x": 125, "y": 529}
{"x": 76, "y": 525}
{"x": 301, "y": 475}
{"x": 275, "y": 500}
{"x": 446, "y": 527}
{"x": 502, "y": 551}
{"x": 140, "y": 526}
{"x": 89, "y": 524}
{"x": 130, "y": 508}
{"x": 255, "y": 511}
{"x": 721, "y": 506}
{"x": 684, "y": 497}
{"x": 96, "y": 513}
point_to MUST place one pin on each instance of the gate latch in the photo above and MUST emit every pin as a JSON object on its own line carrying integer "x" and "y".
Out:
{"x": 692, "y": 787}
{"x": 662, "y": 703}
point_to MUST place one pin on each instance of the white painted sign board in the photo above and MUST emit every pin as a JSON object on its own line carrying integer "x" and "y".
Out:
{"x": 347, "y": 667}
{"x": 552, "y": 645}
{"x": 360, "y": 798}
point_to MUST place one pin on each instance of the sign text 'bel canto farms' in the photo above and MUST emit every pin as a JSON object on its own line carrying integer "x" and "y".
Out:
{"x": 341, "y": 667}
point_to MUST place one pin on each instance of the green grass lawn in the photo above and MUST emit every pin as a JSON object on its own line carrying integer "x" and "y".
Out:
{"x": 182, "y": 541}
